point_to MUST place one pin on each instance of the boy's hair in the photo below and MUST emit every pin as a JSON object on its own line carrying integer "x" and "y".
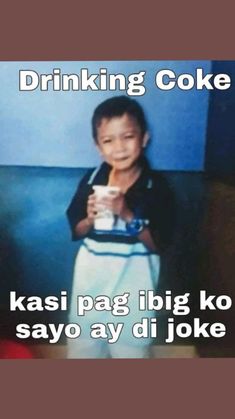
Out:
{"x": 117, "y": 107}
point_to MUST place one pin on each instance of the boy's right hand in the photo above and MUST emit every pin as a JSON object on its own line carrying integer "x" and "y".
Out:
{"x": 92, "y": 208}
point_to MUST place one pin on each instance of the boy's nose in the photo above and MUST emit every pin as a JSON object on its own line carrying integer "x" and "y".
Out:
{"x": 119, "y": 145}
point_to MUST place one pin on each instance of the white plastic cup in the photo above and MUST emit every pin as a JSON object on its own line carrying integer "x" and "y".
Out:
{"x": 105, "y": 218}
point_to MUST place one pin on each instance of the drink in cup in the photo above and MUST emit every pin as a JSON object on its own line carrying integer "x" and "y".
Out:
{"x": 105, "y": 218}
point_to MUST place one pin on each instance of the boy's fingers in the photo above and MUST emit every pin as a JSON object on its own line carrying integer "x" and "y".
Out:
{"x": 91, "y": 213}
{"x": 92, "y": 206}
{"x": 91, "y": 198}
{"x": 108, "y": 199}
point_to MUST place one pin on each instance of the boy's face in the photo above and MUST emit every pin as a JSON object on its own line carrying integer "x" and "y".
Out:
{"x": 120, "y": 141}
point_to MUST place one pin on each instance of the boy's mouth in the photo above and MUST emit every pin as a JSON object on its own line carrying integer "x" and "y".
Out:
{"x": 121, "y": 158}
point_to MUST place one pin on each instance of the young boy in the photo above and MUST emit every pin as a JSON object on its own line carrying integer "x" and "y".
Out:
{"x": 126, "y": 259}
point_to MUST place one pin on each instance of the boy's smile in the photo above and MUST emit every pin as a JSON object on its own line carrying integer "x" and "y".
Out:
{"x": 120, "y": 141}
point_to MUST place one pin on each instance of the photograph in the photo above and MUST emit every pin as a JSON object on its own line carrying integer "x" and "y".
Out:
{"x": 117, "y": 215}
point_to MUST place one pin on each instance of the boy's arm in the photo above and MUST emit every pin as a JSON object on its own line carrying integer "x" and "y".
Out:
{"x": 83, "y": 227}
{"x": 119, "y": 206}
{"x": 162, "y": 213}
{"x": 77, "y": 210}
{"x": 158, "y": 206}
{"x": 145, "y": 235}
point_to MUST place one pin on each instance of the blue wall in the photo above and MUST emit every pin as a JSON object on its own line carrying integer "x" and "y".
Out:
{"x": 53, "y": 128}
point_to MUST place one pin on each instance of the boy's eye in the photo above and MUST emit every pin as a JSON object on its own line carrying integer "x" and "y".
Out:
{"x": 129, "y": 136}
{"x": 107, "y": 140}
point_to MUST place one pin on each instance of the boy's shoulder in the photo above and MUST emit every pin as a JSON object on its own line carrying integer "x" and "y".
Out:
{"x": 158, "y": 177}
{"x": 87, "y": 174}
{"x": 96, "y": 174}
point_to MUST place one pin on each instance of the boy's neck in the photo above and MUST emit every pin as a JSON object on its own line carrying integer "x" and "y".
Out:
{"x": 124, "y": 178}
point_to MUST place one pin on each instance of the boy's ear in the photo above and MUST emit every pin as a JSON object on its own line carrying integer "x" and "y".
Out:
{"x": 145, "y": 139}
